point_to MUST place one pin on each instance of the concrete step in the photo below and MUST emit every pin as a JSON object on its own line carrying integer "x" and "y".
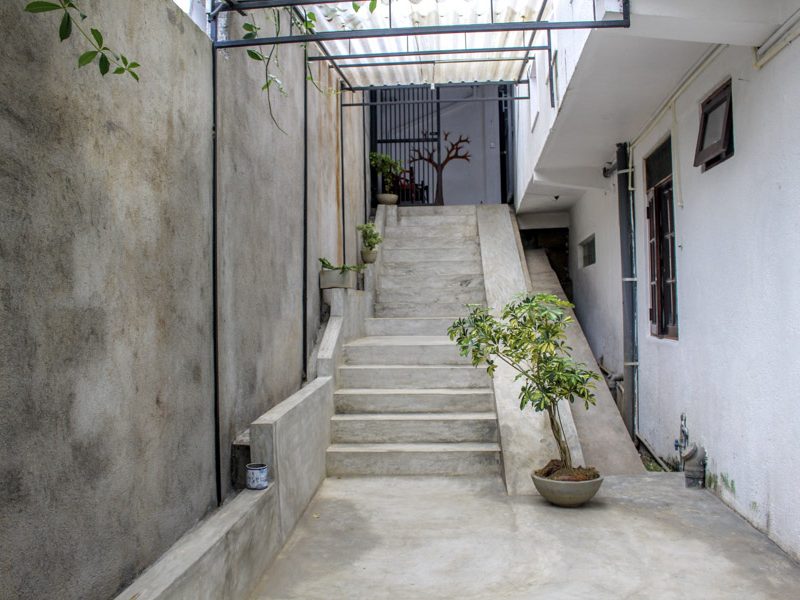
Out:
{"x": 440, "y": 252}
{"x": 436, "y": 241}
{"x": 404, "y": 350}
{"x": 427, "y": 211}
{"x": 393, "y": 279}
{"x": 432, "y": 230}
{"x": 432, "y": 268}
{"x": 427, "y": 297}
{"x": 392, "y": 376}
{"x": 411, "y": 428}
{"x": 408, "y": 326}
{"x": 411, "y": 400}
{"x": 426, "y": 220}
{"x": 414, "y": 459}
{"x": 452, "y": 310}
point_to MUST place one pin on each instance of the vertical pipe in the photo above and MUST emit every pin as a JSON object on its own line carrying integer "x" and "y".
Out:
{"x": 550, "y": 69}
{"x": 341, "y": 173}
{"x": 214, "y": 278}
{"x": 364, "y": 171}
{"x": 305, "y": 212}
{"x": 627, "y": 257}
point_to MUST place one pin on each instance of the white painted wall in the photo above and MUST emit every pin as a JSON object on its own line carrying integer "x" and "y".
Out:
{"x": 597, "y": 288}
{"x": 735, "y": 368}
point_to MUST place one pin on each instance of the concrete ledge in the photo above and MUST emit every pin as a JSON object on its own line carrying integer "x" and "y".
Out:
{"x": 221, "y": 558}
{"x": 525, "y": 436}
{"x": 292, "y": 439}
{"x": 227, "y": 553}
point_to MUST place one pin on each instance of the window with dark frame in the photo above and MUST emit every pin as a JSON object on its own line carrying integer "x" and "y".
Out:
{"x": 715, "y": 136}
{"x": 661, "y": 243}
{"x": 588, "y": 256}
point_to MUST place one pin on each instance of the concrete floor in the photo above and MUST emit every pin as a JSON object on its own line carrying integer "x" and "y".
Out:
{"x": 405, "y": 538}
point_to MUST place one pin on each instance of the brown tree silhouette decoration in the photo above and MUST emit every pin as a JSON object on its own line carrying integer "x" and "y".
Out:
{"x": 453, "y": 152}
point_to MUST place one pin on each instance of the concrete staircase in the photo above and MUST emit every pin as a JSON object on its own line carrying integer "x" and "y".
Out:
{"x": 407, "y": 403}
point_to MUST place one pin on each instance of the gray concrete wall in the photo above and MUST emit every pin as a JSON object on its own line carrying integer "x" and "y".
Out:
{"x": 106, "y": 382}
{"x": 261, "y": 224}
{"x": 107, "y": 376}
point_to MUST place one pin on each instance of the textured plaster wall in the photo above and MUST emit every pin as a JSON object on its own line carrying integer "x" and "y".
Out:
{"x": 735, "y": 368}
{"x": 106, "y": 381}
{"x": 261, "y": 224}
{"x": 106, "y": 377}
{"x": 597, "y": 288}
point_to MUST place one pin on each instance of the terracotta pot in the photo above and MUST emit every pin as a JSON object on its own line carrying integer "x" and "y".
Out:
{"x": 369, "y": 256}
{"x": 335, "y": 279}
{"x": 567, "y": 493}
{"x": 387, "y": 198}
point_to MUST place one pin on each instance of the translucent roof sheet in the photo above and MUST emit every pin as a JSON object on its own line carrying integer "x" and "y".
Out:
{"x": 443, "y": 68}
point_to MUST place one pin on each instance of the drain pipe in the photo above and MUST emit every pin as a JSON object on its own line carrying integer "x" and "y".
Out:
{"x": 627, "y": 242}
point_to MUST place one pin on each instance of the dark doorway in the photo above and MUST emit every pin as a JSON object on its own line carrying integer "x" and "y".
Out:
{"x": 555, "y": 243}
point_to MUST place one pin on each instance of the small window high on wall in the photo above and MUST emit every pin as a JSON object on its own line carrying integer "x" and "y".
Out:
{"x": 661, "y": 243}
{"x": 588, "y": 256}
{"x": 715, "y": 137}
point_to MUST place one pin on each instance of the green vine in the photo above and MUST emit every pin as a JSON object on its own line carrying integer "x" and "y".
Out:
{"x": 307, "y": 23}
{"x": 106, "y": 58}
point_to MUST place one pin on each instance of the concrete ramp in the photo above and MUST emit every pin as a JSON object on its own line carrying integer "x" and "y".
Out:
{"x": 602, "y": 433}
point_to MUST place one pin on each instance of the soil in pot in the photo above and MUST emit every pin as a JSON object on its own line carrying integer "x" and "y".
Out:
{"x": 555, "y": 472}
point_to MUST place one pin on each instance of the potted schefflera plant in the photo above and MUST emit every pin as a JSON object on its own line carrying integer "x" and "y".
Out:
{"x": 530, "y": 336}
{"x": 389, "y": 170}
{"x": 370, "y": 239}
{"x": 338, "y": 276}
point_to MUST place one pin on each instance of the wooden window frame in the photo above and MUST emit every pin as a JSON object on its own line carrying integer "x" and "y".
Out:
{"x": 715, "y": 153}
{"x": 657, "y": 253}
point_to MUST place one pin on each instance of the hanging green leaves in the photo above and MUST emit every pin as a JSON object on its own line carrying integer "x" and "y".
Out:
{"x": 72, "y": 17}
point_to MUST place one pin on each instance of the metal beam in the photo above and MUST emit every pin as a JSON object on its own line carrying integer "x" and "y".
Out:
{"x": 403, "y": 53}
{"x": 444, "y": 61}
{"x": 241, "y": 5}
{"x": 323, "y": 36}
{"x": 441, "y": 101}
{"x": 359, "y": 88}
{"x": 533, "y": 37}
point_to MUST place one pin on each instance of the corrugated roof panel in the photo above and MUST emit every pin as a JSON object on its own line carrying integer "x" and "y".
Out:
{"x": 444, "y": 68}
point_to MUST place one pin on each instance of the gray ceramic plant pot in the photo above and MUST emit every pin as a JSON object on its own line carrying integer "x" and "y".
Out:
{"x": 335, "y": 279}
{"x": 369, "y": 256}
{"x": 387, "y": 198}
{"x": 567, "y": 493}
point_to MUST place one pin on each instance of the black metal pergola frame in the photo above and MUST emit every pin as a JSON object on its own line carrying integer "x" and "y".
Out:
{"x": 341, "y": 62}
{"x": 319, "y": 37}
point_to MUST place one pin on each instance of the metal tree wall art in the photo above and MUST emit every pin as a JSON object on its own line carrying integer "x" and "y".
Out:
{"x": 453, "y": 152}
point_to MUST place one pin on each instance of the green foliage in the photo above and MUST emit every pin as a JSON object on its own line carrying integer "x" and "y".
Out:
{"x": 307, "y": 23}
{"x": 530, "y": 336}
{"x": 373, "y": 4}
{"x": 326, "y": 264}
{"x": 370, "y": 237}
{"x": 72, "y": 17}
{"x": 389, "y": 168}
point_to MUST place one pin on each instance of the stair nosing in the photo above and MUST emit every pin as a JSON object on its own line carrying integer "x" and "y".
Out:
{"x": 416, "y": 416}
{"x": 416, "y": 447}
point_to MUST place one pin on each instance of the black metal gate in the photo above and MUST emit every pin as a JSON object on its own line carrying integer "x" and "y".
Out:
{"x": 408, "y": 119}
{"x": 403, "y": 120}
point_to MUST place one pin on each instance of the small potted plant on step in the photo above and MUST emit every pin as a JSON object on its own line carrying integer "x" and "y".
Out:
{"x": 389, "y": 170}
{"x": 341, "y": 276}
{"x": 370, "y": 238}
{"x": 530, "y": 337}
